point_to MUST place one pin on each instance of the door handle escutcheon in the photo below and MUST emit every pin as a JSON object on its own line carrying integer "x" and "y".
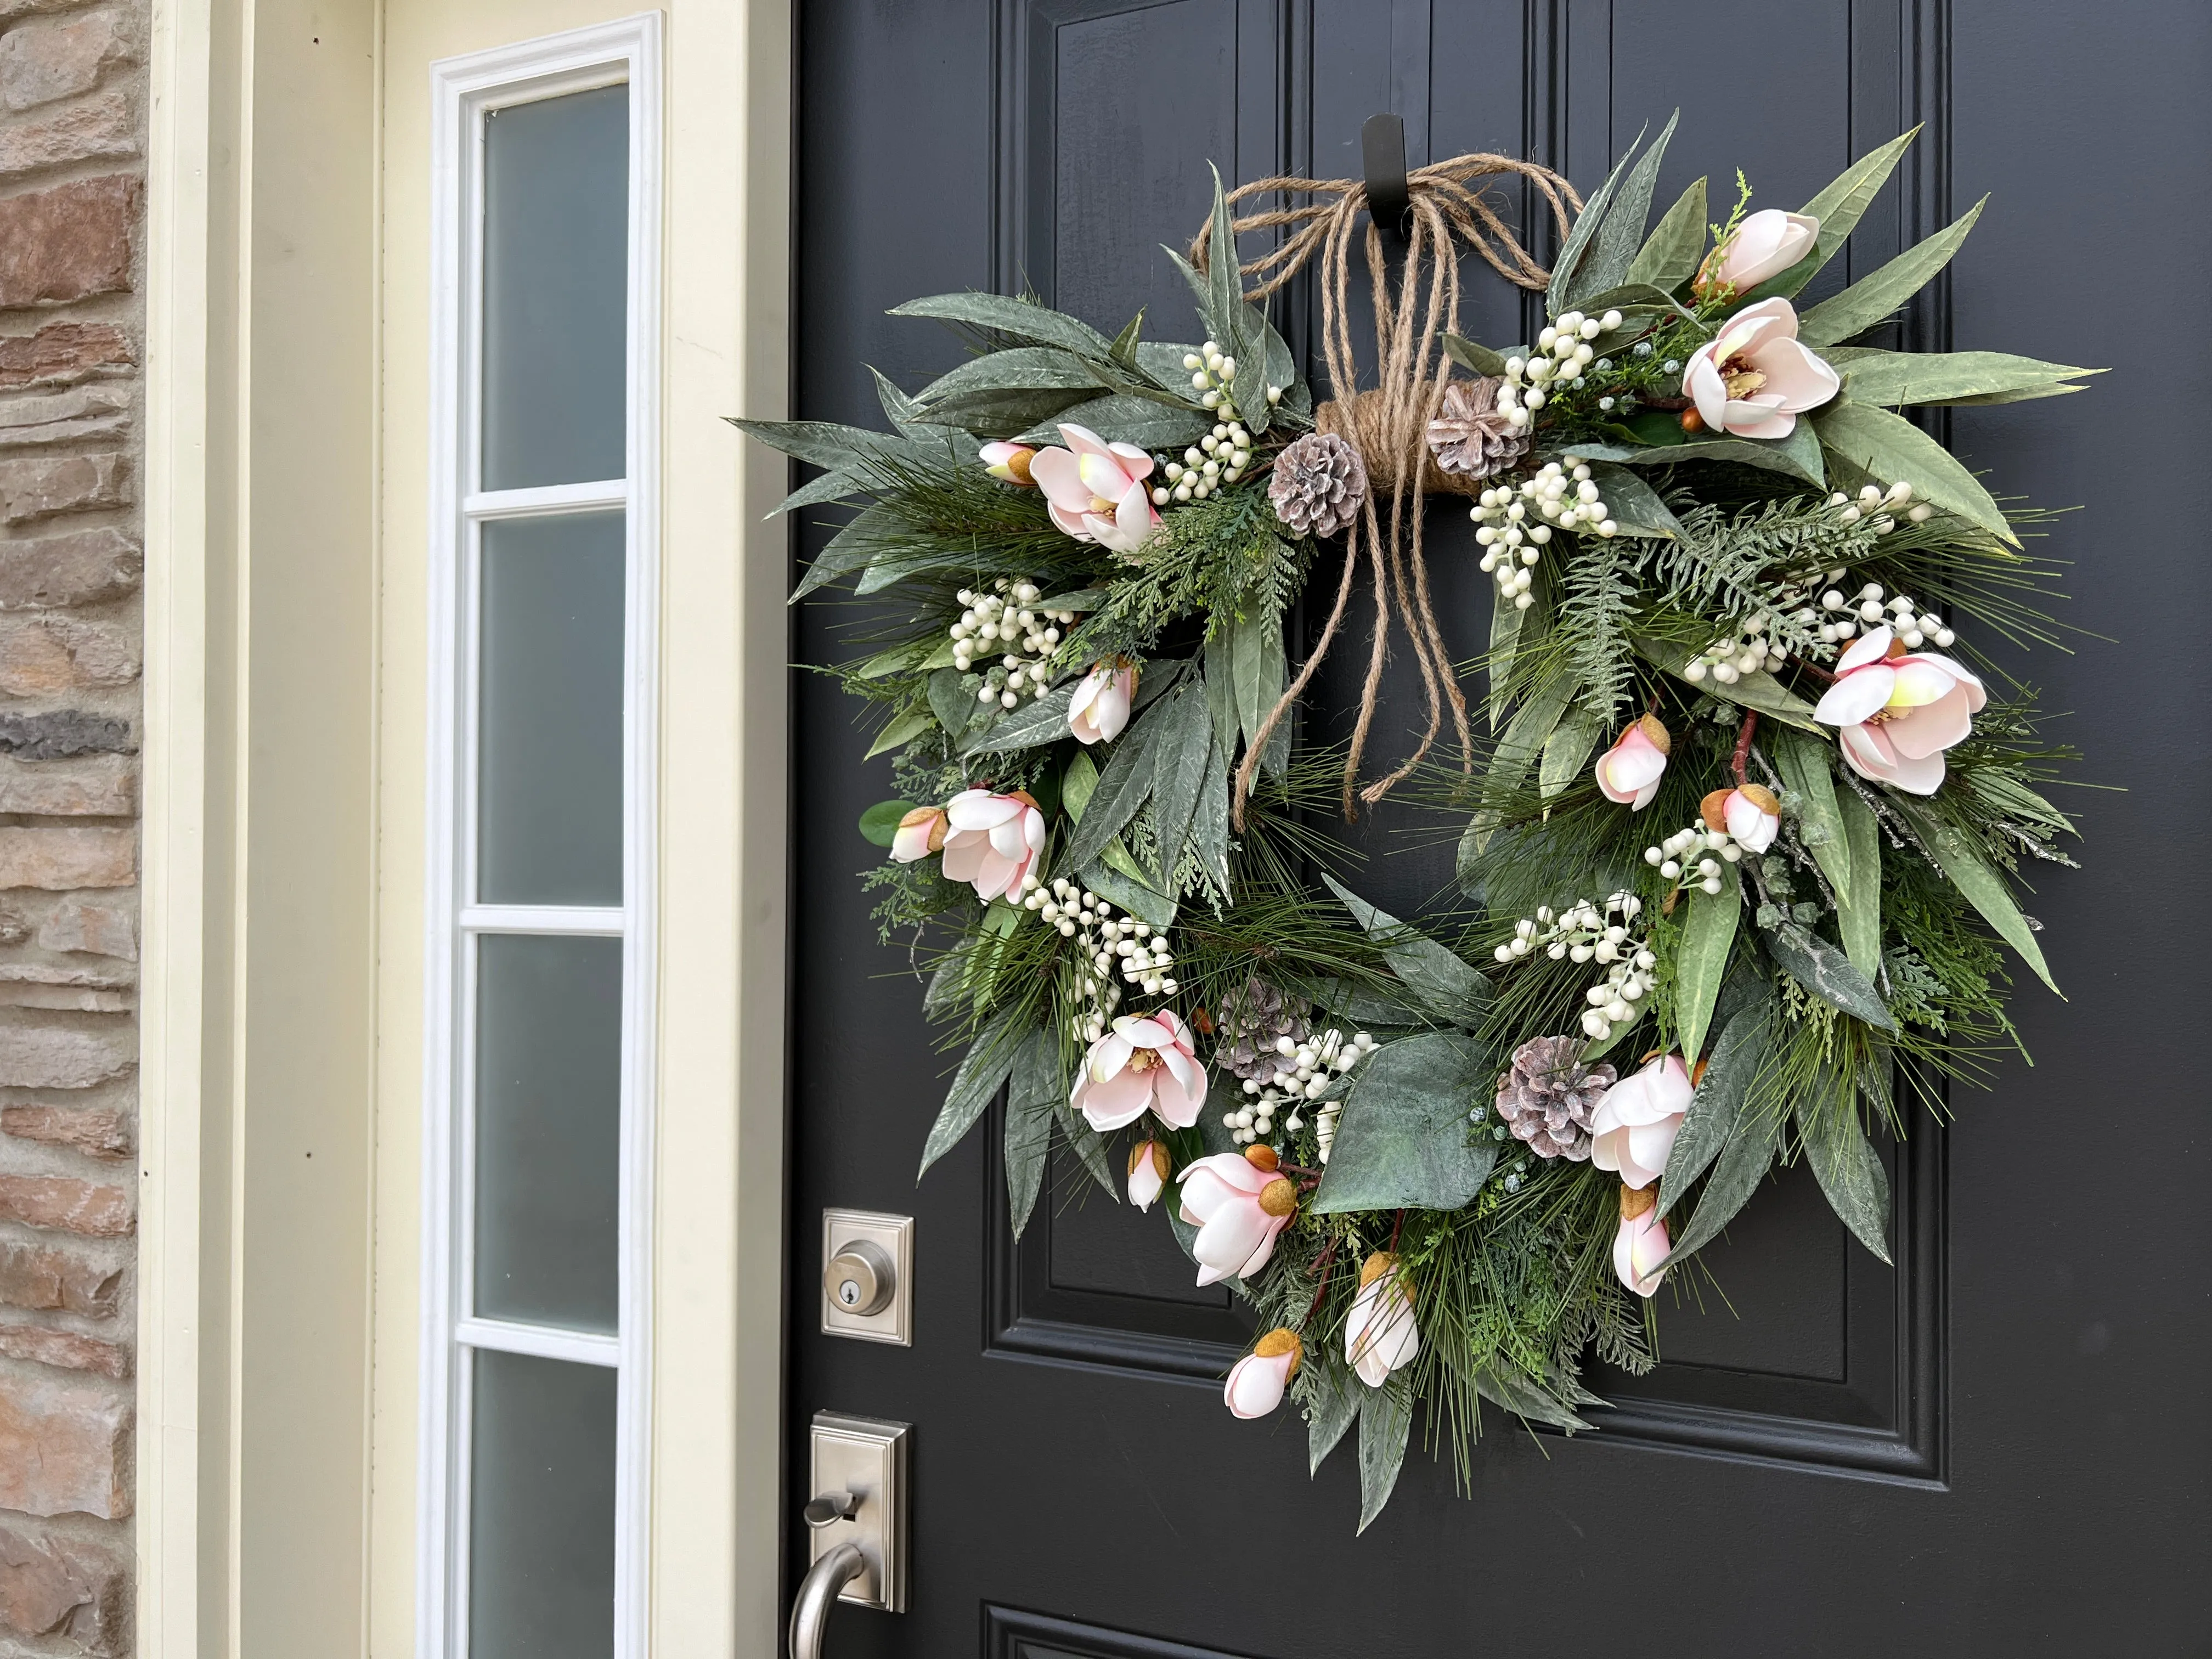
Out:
{"x": 817, "y": 1594}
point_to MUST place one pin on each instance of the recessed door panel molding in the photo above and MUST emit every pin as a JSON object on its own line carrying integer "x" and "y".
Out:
{"x": 1010, "y": 1633}
{"x": 1094, "y": 166}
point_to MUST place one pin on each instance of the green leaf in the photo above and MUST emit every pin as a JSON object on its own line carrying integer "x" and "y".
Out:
{"x": 1890, "y": 447}
{"x": 952, "y": 699}
{"x": 1843, "y": 202}
{"x": 989, "y": 1062}
{"x": 1209, "y": 826}
{"x": 1076, "y": 783}
{"x": 907, "y": 727}
{"x": 879, "y": 823}
{"x": 1892, "y": 378}
{"x": 1025, "y": 319}
{"x": 1034, "y": 1091}
{"x": 1162, "y": 363}
{"x": 1508, "y": 1386}
{"x": 1480, "y": 359}
{"x": 1259, "y": 670}
{"x": 1183, "y": 747}
{"x": 1221, "y": 688}
{"x": 1438, "y": 978}
{"x": 1567, "y": 751}
{"x": 1122, "y": 417}
{"x": 1858, "y": 916}
{"x": 1828, "y": 974}
{"x": 1584, "y": 233}
{"x": 1757, "y": 691}
{"x": 1386, "y": 1418}
{"x": 1803, "y": 764}
{"x": 1122, "y": 787}
{"x": 818, "y": 443}
{"x": 1635, "y": 506}
{"x": 1403, "y": 1140}
{"x": 1124, "y": 348}
{"x": 1872, "y": 297}
{"x": 1719, "y": 1102}
{"x": 1123, "y": 883}
{"x": 1669, "y": 256}
{"x": 871, "y": 533}
{"x": 1511, "y": 629}
{"x": 1041, "y": 719}
{"x": 1524, "y": 739}
{"x": 1983, "y": 887}
{"x": 1788, "y": 456}
{"x": 832, "y": 486}
{"x": 1598, "y": 1047}
{"x": 1849, "y": 1171}
{"x": 1743, "y": 1161}
{"x": 1018, "y": 368}
{"x": 1613, "y": 250}
{"x": 1333, "y": 1409}
{"x": 1701, "y": 959}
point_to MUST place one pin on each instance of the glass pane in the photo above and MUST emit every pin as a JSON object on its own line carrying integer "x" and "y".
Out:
{"x": 548, "y": 1143}
{"x": 542, "y": 1510}
{"x": 550, "y": 724}
{"x": 556, "y": 264}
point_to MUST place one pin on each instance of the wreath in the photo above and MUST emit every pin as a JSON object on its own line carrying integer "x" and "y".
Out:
{"x": 1743, "y": 800}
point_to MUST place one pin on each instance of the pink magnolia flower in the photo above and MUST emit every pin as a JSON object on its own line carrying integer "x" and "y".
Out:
{"x": 1149, "y": 1169}
{"x": 1237, "y": 1206}
{"x": 1898, "y": 710}
{"x": 995, "y": 841}
{"x": 920, "y": 832}
{"x": 1095, "y": 490}
{"x": 1380, "y": 1334}
{"x": 1145, "y": 1062}
{"x": 1256, "y": 1381}
{"x": 1630, "y": 771}
{"x": 1009, "y": 462}
{"x": 1753, "y": 379}
{"x": 1764, "y": 245}
{"x": 1642, "y": 1243}
{"x": 1634, "y": 1127}
{"x": 1749, "y": 812}
{"x": 1100, "y": 708}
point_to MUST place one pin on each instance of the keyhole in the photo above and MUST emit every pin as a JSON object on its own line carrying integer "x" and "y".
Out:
{"x": 849, "y": 1293}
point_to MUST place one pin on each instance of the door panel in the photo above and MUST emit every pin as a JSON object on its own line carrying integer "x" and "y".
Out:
{"x": 1943, "y": 1456}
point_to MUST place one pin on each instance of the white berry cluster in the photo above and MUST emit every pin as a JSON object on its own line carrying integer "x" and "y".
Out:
{"x": 1879, "y": 508}
{"x": 1512, "y": 544}
{"x": 1583, "y": 933}
{"x": 1005, "y": 617}
{"x": 1219, "y": 457}
{"x": 1685, "y": 858}
{"x": 1112, "y": 943}
{"x": 1744, "y": 648}
{"x": 1303, "y": 1072}
{"x": 1914, "y": 627}
{"x": 1210, "y": 377}
{"x": 1563, "y": 356}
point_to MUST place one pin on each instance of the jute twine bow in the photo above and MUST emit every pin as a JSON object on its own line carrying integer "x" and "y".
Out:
{"x": 1388, "y": 426}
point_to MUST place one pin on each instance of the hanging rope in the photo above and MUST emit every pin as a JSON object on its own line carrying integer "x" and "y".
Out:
{"x": 1388, "y": 425}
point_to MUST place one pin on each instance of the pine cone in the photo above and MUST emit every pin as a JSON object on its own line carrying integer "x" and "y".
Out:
{"x": 1250, "y": 1023}
{"x": 1318, "y": 484}
{"x": 1546, "y": 1100}
{"x": 1471, "y": 435}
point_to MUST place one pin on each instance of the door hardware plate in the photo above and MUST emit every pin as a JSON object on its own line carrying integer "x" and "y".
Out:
{"x": 867, "y": 1457}
{"x": 892, "y": 1234}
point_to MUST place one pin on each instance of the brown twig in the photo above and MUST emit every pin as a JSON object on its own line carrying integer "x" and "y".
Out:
{"x": 1328, "y": 1261}
{"x": 1742, "y": 755}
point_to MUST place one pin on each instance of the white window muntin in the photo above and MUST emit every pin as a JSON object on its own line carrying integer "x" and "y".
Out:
{"x": 465, "y": 92}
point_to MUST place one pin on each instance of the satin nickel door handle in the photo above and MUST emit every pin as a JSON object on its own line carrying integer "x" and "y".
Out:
{"x": 817, "y": 1593}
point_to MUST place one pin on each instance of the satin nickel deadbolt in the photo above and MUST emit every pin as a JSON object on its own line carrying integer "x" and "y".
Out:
{"x": 867, "y": 1272}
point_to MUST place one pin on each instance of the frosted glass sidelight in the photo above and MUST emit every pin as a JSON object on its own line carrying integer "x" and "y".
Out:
{"x": 548, "y": 1143}
{"x": 556, "y": 295}
{"x": 542, "y": 1510}
{"x": 550, "y": 729}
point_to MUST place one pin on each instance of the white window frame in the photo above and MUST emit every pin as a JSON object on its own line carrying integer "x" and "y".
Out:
{"x": 463, "y": 91}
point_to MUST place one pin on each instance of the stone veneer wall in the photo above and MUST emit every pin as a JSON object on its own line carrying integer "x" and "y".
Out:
{"x": 72, "y": 121}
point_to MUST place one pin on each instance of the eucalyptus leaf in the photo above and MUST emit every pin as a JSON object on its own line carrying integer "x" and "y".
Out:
{"x": 1333, "y": 1409}
{"x": 1183, "y": 752}
{"x": 1041, "y": 719}
{"x": 1259, "y": 669}
{"x": 1803, "y": 763}
{"x": 1124, "y": 417}
{"x": 1743, "y": 1161}
{"x": 1567, "y": 751}
{"x": 1718, "y": 1102}
{"x": 1701, "y": 960}
{"x": 1033, "y": 1093}
{"x": 953, "y": 702}
{"x": 904, "y": 729}
{"x": 1469, "y": 356}
{"x": 879, "y": 823}
{"x": 1757, "y": 691}
{"x": 1614, "y": 249}
{"x": 1403, "y": 1141}
{"x": 1858, "y": 915}
{"x": 1891, "y": 378}
{"x": 1872, "y": 297}
{"x": 1018, "y": 368}
{"x": 1983, "y": 887}
{"x": 1889, "y": 447}
{"x": 982, "y": 1072}
{"x": 1635, "y": 506}
{"x": 1025, "y": 319}
{"x": 1828, "y": 973}
{"x": 1438, "y": 978}
{"x": 1122, "y": 788}
{"x": 1670, "y": 255}
{"x": 1506, "y": 1385}
{"x": 1849, "y": 1171}
{"x": 1386, "y": 1418}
